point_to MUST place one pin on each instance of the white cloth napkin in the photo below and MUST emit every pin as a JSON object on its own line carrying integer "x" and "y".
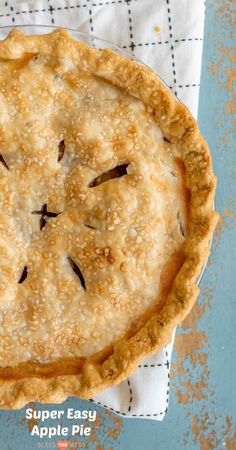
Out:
{"x": 166, "y": 35}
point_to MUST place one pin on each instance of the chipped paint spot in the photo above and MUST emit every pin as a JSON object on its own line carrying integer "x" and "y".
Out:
{"x": 190, "y": 346}
{"x": 230, "y": 214}
{"x": 214, "y": 69}
{"x": 114, "y": 431}
{"x": 220, "y": 230}
{"x": 32, "y": 422}
{"x": 208, "y": 440}
{"x": 187, "y": 344}
{"x": 192, "y": 391}
{"x": 231, "y": 442}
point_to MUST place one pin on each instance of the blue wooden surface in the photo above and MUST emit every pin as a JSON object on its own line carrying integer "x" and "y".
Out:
{"x": 202, "y": 409}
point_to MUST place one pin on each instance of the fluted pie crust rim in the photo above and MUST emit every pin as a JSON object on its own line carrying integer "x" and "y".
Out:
{"x": 179, "y": 127}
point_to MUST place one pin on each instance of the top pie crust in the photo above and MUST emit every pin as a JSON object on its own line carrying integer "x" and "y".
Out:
{"x": 106, "y": 194}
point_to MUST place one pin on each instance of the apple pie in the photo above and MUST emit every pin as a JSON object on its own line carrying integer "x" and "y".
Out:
{"x": 106, "y": 212}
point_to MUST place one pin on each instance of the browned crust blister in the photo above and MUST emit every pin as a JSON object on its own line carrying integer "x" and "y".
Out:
{"x": 178, "y": 126}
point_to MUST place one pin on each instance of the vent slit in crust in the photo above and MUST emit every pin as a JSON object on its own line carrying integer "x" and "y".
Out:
{"x": 3, "y": 162}
{"x": 61, "y": 150}
{"x": 77, "y": 271}
{"x": 116, "y": 172}
{"x": 89, "y": 226}
{"x": 166, "y": 140}
{"x": 44, "y": 214}
{"x": 181, "y": 226}
{"x": 23, "y": 275}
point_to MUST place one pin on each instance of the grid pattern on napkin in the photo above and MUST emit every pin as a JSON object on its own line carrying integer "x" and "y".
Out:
{"x": 167, "y": 36}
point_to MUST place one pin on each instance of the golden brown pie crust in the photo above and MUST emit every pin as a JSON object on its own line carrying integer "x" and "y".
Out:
{"x": 86, "y": 376}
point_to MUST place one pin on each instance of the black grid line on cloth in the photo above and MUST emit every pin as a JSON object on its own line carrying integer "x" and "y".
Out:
{"x": 142, "y": 44}
{"x": 51, "y": 9}
{"x": 125, "y": 414}
{"x": 114, "y": 2}
{"x": 168, "y": 383}
{"x": 13, "y": 18}
{"x": 130, "y": 395}
{"x": 131, "y": 36}
{"x": 59, "y": 8}
{"x": 91, "y": 20}
{"x": 153, "y": 365}
{"x": 186, "y": 85}
{"x": 171, "y": 47}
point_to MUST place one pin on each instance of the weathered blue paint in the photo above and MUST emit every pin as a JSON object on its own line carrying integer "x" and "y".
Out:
{"x": 218, "y": 322}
